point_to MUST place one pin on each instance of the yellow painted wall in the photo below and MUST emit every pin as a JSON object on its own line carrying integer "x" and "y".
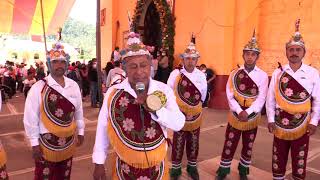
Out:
{"x": 224, "y": 27}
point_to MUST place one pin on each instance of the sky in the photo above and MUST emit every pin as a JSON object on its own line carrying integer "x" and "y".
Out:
{"x": 84, "y": 10}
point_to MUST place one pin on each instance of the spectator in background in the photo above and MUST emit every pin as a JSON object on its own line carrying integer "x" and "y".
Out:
{"x": 115, "y": 56}
{"x": 115, "y": 75}
{"x": 40, "y": 74}
{"x": 93, "y": 78}
{"x": 108, "y": 67}
{"x": 74, "y": 74}
{"x": 163, "y": 71}
{"x": 210, "y": 77}
{"x": 85, "y": 83}
{"x": 28, "y": 82}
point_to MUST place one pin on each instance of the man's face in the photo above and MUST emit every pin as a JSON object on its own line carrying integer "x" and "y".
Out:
{"x": 138, "y": 69}
{"x": 295, "y": 53}
{"x": 190, "y": 63}
{"x": 58, "y": 67}
{"x": 250, "y": 57}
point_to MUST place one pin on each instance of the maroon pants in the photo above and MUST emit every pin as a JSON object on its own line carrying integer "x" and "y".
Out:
{"x": 299, "y": 153}
{"x": 3, "y": 173}
{"x": 191, "y": 140}
{"x": 53, "y": 170}
{"x": 232, "y": 138}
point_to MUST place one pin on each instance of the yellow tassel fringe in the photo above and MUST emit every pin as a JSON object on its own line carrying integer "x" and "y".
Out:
{"x": 58, "y": 156}
{"x": 193, "y": 125}
{"x": 292, "y": 134}
{"x": 3, "y": 158}
{"x": 290, "y": 107}
{"x": 133, "y": 157}
{"x": 55, "y": 129}
{"x": 243, "y": 126}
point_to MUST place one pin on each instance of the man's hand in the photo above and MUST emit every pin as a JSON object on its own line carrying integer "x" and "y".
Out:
{"x": 243, "y": 116}
{"x": 80, "y": 140}
{"x": 37, "y": 153}
{"x": 271, "y": 127}
{"x": 311, "y": 129}
{"x": 99, "y": 172}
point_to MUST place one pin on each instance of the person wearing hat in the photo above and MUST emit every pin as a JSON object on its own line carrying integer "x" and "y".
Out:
{"x": 190, "y": 87}
{"x": 3, "y": 157}
{"x": 53, "y": 118}
{"x": 246, "y": 94}
{"x": 134, "y": 119}
{"x": 293, "y": 109}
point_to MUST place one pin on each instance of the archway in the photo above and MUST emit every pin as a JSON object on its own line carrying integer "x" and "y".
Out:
{"x": 154, "y": 21}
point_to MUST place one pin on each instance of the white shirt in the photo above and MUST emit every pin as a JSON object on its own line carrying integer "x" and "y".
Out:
{"x": 308, "y": 77}
{"x": 261, "y": 79}
{"x": 113, "y": 75}
{"x": 168, "y": 117}
{"x": 197, "y": 77}
{"x": 29, "y": 83}
{"x": 32, "y": 124}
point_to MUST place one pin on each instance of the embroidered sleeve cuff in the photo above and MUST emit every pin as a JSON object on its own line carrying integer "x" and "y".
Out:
{"x": 238, "y": 110}
{"x": 249, "y": 111}
{"x": 81, "y": 132}
{"x": 34, "y": 142}
{"x": 314, "y": 122}
{"x": 98, "y": 157}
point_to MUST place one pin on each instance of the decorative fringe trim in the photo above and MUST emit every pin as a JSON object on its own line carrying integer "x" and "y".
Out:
{"x": 58, "y": 156}
{"x": 3, "y": 158}
{"x": 243, "y": 170}
{"x": 133, "y": 157}
{"x": 244, "y": 126}
{"x": 184, "y": 107}
{"x": 243, "y": 101}
{"x": 54, "y": 128}
{"x": 289, "y": 106}
{"x": 223, "y": 172}
{"x": 193, "y": 125}
{"x": 292, "y": 134}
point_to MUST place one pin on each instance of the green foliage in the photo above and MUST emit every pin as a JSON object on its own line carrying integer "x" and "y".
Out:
{"x": 80, "y": 35}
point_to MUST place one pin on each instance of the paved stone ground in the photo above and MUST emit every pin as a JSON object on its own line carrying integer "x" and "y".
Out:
{"x": 20, "y": 164}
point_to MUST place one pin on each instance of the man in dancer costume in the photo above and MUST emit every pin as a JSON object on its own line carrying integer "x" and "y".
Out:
{"x": 134, "y": 119}
{"x": 246, "y": 93}
{"x": 190, "y": 87}
{"x": 53, "y": 117}
{"x": 3, "y": 157}
{"x": 293, "y": 107}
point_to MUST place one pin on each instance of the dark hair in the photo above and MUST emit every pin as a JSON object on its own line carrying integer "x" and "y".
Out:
{"x": 108, "y": 67}
{"x": 117, "y": 48}
{"x": 203, "y": 66}
{"x": 117, "y": 63}
{"x": 73, "y": 64}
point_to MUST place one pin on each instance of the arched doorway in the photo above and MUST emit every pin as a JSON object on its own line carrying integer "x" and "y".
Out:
{"x": 152, "y": 28}
{"x": 154, "y": 21}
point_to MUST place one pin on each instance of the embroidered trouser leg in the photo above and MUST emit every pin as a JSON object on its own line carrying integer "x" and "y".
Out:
{"x": 192, "y": 146}
{"x": 248, "y": 138}
{"x": 299, "y": 153}
{"x": 232, "y": 137}
{"x": 53, "y": 170}
{"x": 179, "y": 139}
{"x": 3, "y": 173}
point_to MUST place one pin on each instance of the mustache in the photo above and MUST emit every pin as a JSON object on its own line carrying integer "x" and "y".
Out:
{"x": 294, "y": 56}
